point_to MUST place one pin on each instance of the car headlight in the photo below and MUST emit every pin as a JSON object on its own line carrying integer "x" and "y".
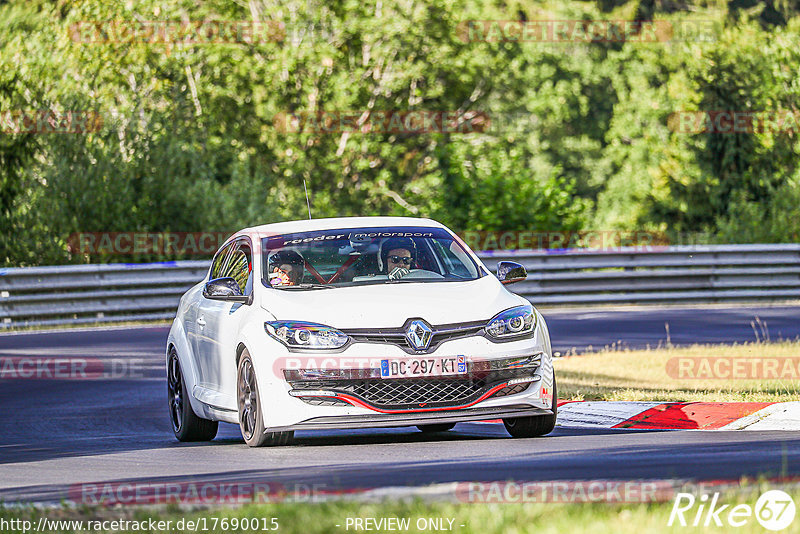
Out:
{"x": 296, "y": 334}
{"x": 515, "y": 322}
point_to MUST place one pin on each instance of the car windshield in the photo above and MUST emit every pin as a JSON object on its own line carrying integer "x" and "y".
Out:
{"x": 360, "y": 256}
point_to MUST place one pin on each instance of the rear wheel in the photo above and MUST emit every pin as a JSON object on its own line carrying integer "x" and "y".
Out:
{"x": 441, "y": 427}
{"x": 185, "y": 424}
{"x": 251, "y": 420}
{"x": 534, "y": 426}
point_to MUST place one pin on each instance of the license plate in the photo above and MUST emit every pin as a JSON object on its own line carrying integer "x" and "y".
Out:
{"x": 416, "y": 367}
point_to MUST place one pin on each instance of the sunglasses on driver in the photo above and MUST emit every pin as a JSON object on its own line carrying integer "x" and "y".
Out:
{"x": 397, "y": 259}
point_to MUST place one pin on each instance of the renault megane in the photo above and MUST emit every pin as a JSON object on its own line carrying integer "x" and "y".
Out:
{"x": 356, "y": 323}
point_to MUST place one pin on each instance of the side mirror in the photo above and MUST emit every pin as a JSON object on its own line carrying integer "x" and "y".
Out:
{"x": 509, "y": 272}
{"x": 225, "y": 289}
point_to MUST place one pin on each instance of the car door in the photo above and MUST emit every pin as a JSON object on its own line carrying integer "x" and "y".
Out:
{"x": 193, "y": 324}
{"x": 218, "y": 323}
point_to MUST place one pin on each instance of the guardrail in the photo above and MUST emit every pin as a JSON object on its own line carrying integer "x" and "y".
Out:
{"x": 38, "y": 296}
{"x": 696, "y": 273}
{"x": 76, "y": 294}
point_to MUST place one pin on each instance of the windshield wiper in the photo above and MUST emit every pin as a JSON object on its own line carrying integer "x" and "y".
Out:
{"x": 307, "y": 286}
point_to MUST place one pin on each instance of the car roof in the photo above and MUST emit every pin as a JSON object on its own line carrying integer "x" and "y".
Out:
{"x": 335, "y": 223}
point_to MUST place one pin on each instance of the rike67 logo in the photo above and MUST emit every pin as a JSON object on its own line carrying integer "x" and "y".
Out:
{"x": 774, "y": 510}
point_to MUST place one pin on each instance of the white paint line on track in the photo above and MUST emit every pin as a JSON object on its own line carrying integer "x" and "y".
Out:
{"x": 83, "y": 329}
{"x": 444, "y": 491}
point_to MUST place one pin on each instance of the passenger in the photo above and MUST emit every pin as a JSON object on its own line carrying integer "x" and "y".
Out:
{"x": 396, "y": 257}
{"x": 286, "y": 268}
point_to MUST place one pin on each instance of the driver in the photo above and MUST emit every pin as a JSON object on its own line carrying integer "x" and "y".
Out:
{"x": 397, "y": 256}
{"x": 286, "y": 268}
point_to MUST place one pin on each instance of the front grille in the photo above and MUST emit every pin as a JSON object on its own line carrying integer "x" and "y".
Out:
{"x": 378, "y": 336}
{"x": 324, "y": 401}
{"x": 413, "y": 391}
{"x": 512, "y": 390}
{"x": 417, "y": 392}
{"x": 397, "y": 336}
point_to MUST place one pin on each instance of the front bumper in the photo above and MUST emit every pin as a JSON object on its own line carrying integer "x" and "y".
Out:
{"x": 325, "y": 401}
{"x": 411, "y": 419}
{"x": 364, "y": 387}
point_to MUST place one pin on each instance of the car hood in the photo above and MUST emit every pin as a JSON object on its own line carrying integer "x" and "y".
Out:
{"x": 390, "y": 305}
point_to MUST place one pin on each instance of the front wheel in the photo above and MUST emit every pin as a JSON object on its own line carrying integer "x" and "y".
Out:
{"x": 251, "y": 420}
{"x": 185, "y": 424}
{"x": 536, "y": 425}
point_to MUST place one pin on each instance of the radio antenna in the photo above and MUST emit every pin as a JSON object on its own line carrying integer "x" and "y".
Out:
{"x": 308, "y": 203}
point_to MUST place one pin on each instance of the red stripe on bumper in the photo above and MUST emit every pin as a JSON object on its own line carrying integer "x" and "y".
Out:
{"x": 357, "y": 402}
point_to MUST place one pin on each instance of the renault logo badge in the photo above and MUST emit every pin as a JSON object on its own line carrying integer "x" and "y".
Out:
{"x": 419, "y": 334}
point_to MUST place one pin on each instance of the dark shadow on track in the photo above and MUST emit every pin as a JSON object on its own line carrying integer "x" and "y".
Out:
{"x": 700, "y": 460}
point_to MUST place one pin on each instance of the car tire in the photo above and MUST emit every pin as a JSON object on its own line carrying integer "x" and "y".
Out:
{"x": 440, "y": 427}
{"x": 186, "y": 425}
{"x": 251, "y": 420}
{"x": 536, "y": 425}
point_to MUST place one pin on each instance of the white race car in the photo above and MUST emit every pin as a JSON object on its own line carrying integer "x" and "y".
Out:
{"x": 356, "y": 323}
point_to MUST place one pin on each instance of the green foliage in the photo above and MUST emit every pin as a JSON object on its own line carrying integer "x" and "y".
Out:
{"x": 491, "y": 188}
{"x": 738, "y": 73}
{"x": 580, "y": 136}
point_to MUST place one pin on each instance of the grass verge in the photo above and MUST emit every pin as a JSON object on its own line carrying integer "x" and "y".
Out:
{"x": 312, "y": 518}
{"x": 751, "y": 372}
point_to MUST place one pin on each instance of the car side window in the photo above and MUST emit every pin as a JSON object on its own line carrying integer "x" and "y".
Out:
{"x": 240, "y": 265}
{"x": 219, "y": 261}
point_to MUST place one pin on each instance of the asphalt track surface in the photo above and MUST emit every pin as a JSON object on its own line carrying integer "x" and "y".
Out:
{"x": 55, "y": 434}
